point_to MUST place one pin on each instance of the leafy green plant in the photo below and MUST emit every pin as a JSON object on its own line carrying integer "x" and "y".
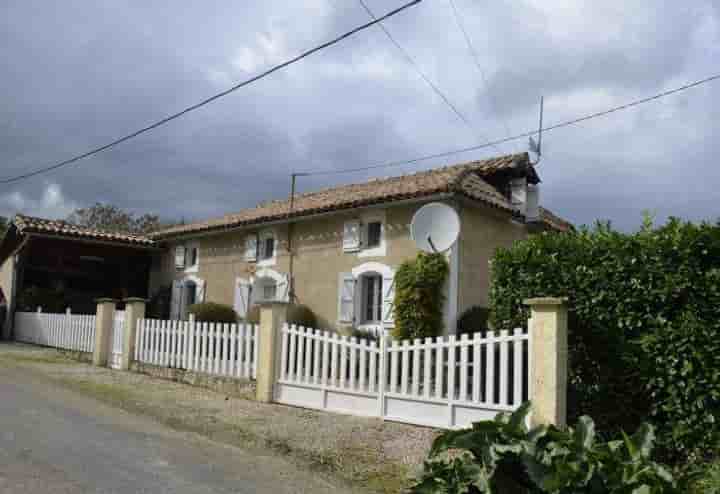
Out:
{"x": 419, "y": 296}
{"x": 212, "y": 312}
{"x": 503, "y": 456}
{"x": 681, "y": 372}
{"x": 623, "y": 287}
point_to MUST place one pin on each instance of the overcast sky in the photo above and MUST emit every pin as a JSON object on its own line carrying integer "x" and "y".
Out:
{"x": 76, "y": 74}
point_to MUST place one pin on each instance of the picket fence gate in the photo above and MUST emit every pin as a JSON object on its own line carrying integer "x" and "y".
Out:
{"x": 439, "y": 382}
{"x": 65, "y": 330}
{"x": 213, "y": 348}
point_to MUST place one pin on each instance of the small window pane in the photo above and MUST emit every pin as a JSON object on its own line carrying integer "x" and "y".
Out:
{"x": 268, "y": 250}
{"x": 269, "y": 291}
{"x": 374, "y": 231}
{"x": 372, "y": 298}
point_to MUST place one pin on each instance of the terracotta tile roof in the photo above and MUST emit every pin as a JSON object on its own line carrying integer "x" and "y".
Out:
{"x": 464, "y": 179}
{"x": 30, "y": 224}
{"x": 554, "y": 221}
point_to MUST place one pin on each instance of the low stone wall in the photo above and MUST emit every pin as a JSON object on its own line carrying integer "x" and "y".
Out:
{"x": 231, "y": 386}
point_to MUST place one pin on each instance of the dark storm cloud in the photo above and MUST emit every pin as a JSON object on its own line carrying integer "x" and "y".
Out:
{"x": 78, "y": 74}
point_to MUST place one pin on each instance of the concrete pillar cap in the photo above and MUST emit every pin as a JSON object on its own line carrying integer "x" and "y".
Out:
{"x": 106, "y": 300}
{"x": 546, "y": 301}
{"x": 134, "y": 300}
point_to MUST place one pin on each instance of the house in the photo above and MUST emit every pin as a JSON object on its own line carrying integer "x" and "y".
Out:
{"x": 337, "y": 250}
{"x": 71, "y": 265}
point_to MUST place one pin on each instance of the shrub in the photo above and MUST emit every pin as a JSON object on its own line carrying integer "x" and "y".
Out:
{"x": 621, "y": 287}
{"x": 473, "y": 320}
{"x": 212, "y": 312}
{"x": 302, "y": 316}
{"x": 502, "y": 456}
{"x": 681, "y": 372}
{"x": 419, "y": 296}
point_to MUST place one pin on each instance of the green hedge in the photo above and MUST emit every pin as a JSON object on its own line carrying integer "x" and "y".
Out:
{"x": 625, "y": 289}
{"x": 212, "y": 312}
{"x": 419, "y": 296}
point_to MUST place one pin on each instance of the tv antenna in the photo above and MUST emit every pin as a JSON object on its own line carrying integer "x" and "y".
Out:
{"x": 536, "y": 147}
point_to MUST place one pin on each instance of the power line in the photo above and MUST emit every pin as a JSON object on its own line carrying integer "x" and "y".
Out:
{"x": 417, "y": 68}
{"x": 212, "y": 98}
{"x": 524, "y": 134}
{"x": 476, "y": 59}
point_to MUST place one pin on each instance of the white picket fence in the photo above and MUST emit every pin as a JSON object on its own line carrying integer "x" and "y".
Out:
{"x": 213, "y": 348}
{"x": 66, "y": 331}
{"x": 439, "y": 382}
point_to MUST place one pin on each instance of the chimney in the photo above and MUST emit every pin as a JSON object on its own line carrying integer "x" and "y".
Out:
{"x": 518, "y": 194}
{"x": 532, "y": 209}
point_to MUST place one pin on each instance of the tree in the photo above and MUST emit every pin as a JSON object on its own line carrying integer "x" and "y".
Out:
{"x": 108, "y": 217}
{"x": 4, "y": 225}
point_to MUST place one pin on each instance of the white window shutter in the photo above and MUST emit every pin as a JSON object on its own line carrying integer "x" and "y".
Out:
{"x": 388, "y": 301}
{"x": 282, "y": 292}
{"x": 351, "y": 236}
{"x": 346, "y": 298}
{"x": 180, "y": 256}
{"x": 242, "y": 298}
{"x": 175, "y": 300}
{"x": 199, "y": 291}
{"x": 251, "y": 248}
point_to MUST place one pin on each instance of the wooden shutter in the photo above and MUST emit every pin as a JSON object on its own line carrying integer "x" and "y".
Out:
{"x": 282, "y": 290}
{"x": 180, "y": 257}
{"x": 242, "y": 297}
{"x": 351, "y": 236}
{"x": 346, "y": 298}
{"x": 251, "y": 248}
{"x": 199, "y": 291}
{"x": 388, "y": 309}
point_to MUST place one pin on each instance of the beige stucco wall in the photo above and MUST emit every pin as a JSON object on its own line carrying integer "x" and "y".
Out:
{"x": 483, "y": 231}
{"x": 319, "y": 257}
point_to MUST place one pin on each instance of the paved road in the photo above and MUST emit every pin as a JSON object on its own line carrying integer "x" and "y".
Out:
{"x": 56, "y": 441}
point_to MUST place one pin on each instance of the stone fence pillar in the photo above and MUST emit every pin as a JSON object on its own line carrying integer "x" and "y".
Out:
{"x": 549, "y": 360}
{"x": 273, "y": 316}
{"x": 104, "y": 317}
{"x": 134, "y": 310}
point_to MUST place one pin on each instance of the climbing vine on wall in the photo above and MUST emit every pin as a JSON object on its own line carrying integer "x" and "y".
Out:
{"x": 419, "y": 296}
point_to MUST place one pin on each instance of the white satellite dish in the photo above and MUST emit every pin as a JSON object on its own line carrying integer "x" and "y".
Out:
{"x": 435, "y": 227}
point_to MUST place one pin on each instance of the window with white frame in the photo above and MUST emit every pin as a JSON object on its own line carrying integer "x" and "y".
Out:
{"x": 372, "y": 298}
{"x": 366, "y": 296}
{"x": 261, "y": 247}
{"x": 365, "y": 236}
{"x": 186, "y": 257}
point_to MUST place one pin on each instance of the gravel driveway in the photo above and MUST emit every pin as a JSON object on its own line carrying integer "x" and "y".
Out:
{"x": 367, "y": 453}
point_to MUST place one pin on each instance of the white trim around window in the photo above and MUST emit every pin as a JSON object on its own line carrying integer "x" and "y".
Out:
{"x": 383, "y": 274}
{"x": 366, "y": 219}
